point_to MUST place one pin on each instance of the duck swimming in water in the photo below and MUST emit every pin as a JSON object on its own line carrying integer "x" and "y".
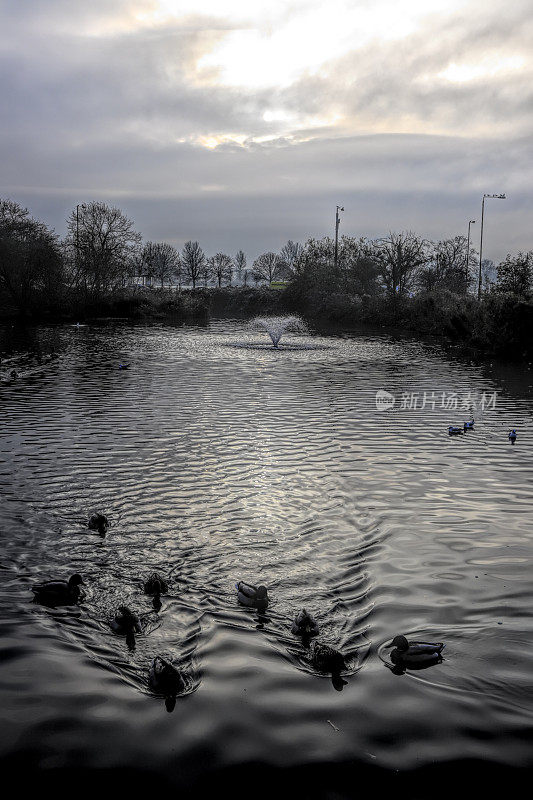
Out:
{"x": 252, "y": 596}
{"x": 415, "y": 654}
{"x": 98, "y": 522}
{"x": 65, "y": 593}
{"x": 304, "y": 625}
{"x": 469, "y": 426}
{"x": 165, "y": 678}
{"x": 125, "y": 621}
{"x": 453, "y": 431}
{"x": 155, "y": 584}
{"x": 327, "y": 659}
{"x": 512, "y": 436}
{"x": 123, "y": 366}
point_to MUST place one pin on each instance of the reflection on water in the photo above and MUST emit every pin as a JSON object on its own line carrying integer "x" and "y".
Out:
{"x": 216, "y": 459}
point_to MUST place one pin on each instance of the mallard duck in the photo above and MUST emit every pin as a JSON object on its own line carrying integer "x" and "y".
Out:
{"x": 59, "y": 592}
{"x": 469, "y": 426}
{"x": 253, "y": 596}
{"x": 125, "y": 621}
{"x": 304, "y": 625}
{"x": 98, "y": 522}
{"x": 415, "y": 653}
{"x": 327, "y": 659}
{"x": 455, "y": 431}
{"x": 165, "y": 678}
{"x": 155, "y": 584}
{"x": 123, "y": 366}
{"x": 512, "y": 436}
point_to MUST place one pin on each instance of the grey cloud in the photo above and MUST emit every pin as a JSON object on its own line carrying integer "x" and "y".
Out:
{"x": 101, "y": 117}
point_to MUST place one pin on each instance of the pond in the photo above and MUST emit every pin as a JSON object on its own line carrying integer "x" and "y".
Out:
{"x": 218, "y": 457}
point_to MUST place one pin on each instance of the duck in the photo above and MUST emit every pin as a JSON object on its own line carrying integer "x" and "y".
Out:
{"x": 512, "y": 436}
{"x": 98, "y": 522}
{"x": 155, "y": 585}
{"x": 415, "y": 654}
{"x": 123, "y": 366}
{"x": 469, "y": 426}
{"x": 327, "y": 659}
{"x": 252, "y": 596}
{"x": 453, "y": 431}
{"x": 126, "y": 621}
{"x": 304, "y": 625}
{"x": 165, "y": 678}
{"x": 60, "y": 592}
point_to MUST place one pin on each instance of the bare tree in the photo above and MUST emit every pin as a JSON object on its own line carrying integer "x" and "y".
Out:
{"x": 207, "y": 270}
{"x": 105, "y": 245}
{"x": 268, "y": 267}
{"x": 222, "y": 268}
{"x": 399, "y": 256}
{"x": 193, "y": 260}
{"x": 160, "y": 260}
{"x": 240, "y": 265}
{"x": 291, "y": 255}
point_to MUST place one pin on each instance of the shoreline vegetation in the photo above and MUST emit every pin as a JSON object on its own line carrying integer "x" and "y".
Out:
{"x": 400, "y": 281}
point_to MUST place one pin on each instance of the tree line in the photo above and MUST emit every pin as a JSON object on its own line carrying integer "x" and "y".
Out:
{"x": 102, "y": 253}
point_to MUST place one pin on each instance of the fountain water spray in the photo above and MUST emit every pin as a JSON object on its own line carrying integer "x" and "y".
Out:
{"x": 276, "y": 326}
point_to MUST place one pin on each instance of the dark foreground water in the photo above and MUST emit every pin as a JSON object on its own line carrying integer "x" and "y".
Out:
{"x": 217, "y": 458}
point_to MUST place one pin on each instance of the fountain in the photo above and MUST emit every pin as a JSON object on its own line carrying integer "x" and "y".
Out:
{"x": 276, "y": 326}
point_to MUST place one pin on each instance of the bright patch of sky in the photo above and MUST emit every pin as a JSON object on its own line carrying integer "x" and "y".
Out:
{"x": 273, "y": 43}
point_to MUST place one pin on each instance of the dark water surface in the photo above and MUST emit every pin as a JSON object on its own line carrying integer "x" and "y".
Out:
{"x": 218, "y": 458}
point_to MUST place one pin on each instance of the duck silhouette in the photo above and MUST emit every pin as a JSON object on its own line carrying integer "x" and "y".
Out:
{"x": 512, "y": 436}
{"x": 252, "y": 596}
{"x": 123, "y": 366}
{"x": 98, "y": 522}
{"x": 469, "y": 426}
{"x": 156, "y": 586}
{"x": 327, "y": 659}
{"x": 415, "y": 655}
{"x": 55, "y": 593}
{"x": 167, "y": 680}
{"x": 126, "y": 623}
{"x": 304, "y": 625}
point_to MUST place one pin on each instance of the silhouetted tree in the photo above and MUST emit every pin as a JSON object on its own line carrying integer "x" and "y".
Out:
{"x": 399, "y": 256}
{"x": 160, "y": 260}
{"x": 194, "y": 262}
{"x": 104, "y": 246}
{"x": 268, "y": 267}
{"x": 446, "y": 266}
{"x": 240, "y": 265}
{"x": 291, "y": 254}
{"x": 31, "y": 266}
{"x": 515, "y": 274}
{"x": 222, "y": 268}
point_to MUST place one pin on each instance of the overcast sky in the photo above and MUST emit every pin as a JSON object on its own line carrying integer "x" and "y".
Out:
{"x": 242, "y": 123}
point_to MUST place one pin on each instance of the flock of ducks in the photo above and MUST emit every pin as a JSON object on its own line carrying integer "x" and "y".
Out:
{"x": 167, "y": 680}
{"x": 469, "y": 426}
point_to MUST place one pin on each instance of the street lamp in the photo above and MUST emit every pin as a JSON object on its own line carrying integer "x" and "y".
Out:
{"x": 471, "y": 222}
{"x": 496, "y": 197}
{"x": 337, "y": 221}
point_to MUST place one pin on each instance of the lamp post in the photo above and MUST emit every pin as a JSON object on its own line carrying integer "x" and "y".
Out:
{"x": 496, "y": 197}
{"x": 337, "y": 221}
{"x": 471, "y": 222}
